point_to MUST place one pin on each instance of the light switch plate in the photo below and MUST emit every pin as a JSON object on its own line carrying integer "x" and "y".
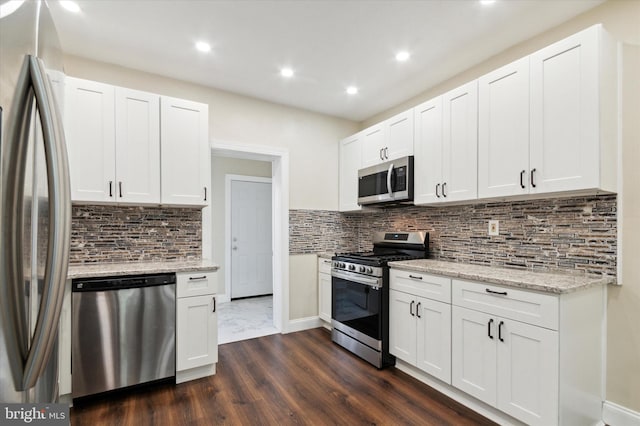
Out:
{"x": 494, "y": 227}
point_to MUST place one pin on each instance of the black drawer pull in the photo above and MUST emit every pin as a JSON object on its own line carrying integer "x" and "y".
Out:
{"x": 204, "y": 277}
{"x": 414, "y": 277}
{"x": 501, "y": 293}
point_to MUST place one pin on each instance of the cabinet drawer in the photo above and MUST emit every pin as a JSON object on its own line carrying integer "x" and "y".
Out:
{"x": 424, "y": 285}
{"x": 196, "y": 283}
{"x": 520, "y": 305}
{"x": 324, "y": 265}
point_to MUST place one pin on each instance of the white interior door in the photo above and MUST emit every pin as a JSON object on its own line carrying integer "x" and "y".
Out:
{"x": 251, "y": 247}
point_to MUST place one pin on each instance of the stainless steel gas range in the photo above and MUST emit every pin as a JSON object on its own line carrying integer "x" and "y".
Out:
{"x": 360, "y": 294}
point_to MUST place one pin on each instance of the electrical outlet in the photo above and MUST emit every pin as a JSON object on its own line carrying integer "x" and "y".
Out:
{"x": 494, "y": 227}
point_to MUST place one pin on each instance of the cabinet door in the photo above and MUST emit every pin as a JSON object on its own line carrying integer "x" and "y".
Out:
{"x": 428, "y": 152}
{"x": 137, "y": 146}
{"x": 528, "y": 372}
{"x": 373, "y": 144}
{"x": 402, "y": 326}
{"x": 324, "y": 297}
{"x": 473, "y": 353}
{"x": 186, "y": 162}
{"x": 90, "y": 135}
{"x": 350, "y": 163}
{"x": 565, "y": 114}
{"x": 399, "y": 136}
{"x": 503, "y": 131}
{"x": 460, "y": 143}
{"x": 196, "y": 332}
{"x": 434, "y": 338}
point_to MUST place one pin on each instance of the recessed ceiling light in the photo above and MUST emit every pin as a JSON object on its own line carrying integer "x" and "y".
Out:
{"x": 402, "y": 56}
{"x": 286, "y": 72}
{"x": 487, "y": 2}
{"x": 352, "y": 90}
{"x": 203, "y": 46}
{"x": 71, "y": 6}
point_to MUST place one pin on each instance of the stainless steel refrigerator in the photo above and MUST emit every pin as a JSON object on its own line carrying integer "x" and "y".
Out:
{"x": 35, "y": 206}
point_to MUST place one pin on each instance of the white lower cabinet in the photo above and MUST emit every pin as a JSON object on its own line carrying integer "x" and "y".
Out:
{"x": 507, "y": 364}
{"x": 420, "y": 327}
{"x": 196, "y": 325}
{"x": 324, "y": 290}
{"x": 513, "y": 354}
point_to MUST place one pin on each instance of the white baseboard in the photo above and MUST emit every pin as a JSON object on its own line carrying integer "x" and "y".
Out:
{"x": 303, "y": 324}
{"x": 617, "y": 415}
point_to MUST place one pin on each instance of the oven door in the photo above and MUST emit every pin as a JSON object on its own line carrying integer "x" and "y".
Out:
{"x": 356, "y": 304}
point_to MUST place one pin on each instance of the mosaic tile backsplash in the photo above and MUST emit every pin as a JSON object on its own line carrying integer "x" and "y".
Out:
{"x": 134, "y": 234}
{"x": 552, "y": 234}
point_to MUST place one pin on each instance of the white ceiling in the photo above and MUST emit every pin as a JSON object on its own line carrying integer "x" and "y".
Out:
{"x": 329, "y": 44}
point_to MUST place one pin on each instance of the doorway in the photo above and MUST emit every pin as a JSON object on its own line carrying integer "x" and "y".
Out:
{"x": 278, "y": 160}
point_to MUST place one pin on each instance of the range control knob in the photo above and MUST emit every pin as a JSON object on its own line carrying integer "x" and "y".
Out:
{"x": 342, "y": 265}
{"x": 370, "y": 270}
{"x": 352, "y": 267}
{"x": 361, "y": 269}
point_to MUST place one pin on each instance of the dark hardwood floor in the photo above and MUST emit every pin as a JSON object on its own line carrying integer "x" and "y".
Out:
{"x": 295, "y": 379}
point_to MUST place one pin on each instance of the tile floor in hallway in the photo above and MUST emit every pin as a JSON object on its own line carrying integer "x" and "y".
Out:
{"x": 245, "y": 319}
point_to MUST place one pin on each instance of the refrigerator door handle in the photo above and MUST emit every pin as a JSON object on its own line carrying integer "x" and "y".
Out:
{"x": 59, "y": 235}
{"x": 28, "y": 360}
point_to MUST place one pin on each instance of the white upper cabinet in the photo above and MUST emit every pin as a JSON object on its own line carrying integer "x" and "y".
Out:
{"x": 90, "y": 135}
{"x": 137, "y": 146}
{"x": 503, "y": 131}
{"x": 350, "y": 163}
{"x": 446, "y": 147}
{"x": 391, "y": 139}
{"x": 373, "y": 144}
{"x": 428, "y": 151}
{"x": 185, "y": 164}
{"x": 460, "y": 143}
{"x": 573, "y": 114}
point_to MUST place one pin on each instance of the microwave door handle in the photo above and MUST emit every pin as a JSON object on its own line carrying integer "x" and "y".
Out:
{"x": 389, "y": 188}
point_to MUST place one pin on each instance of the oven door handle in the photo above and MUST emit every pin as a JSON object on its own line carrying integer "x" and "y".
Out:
{"x": 356, "y": 278}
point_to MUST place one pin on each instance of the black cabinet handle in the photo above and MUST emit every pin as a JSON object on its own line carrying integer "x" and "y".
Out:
{"x": 381, "y": 157}
{"x": 501, "y": 293}
{"x": 205, "y": 193}
{"x": 437, "y": 193}
{"x": 120, "y": 188}
{"x": 532, "y": 182}
{"x": 418, "y": 309}
{"x": 489, "y": 328}
{"x": 522, "y": 179}
{"x": 214, "y": 304}
{"x": 500, "y": 331}
{"x": 110, "y": 188}
{"x": 411, "y": 308}
{"x": 414, "y": 277}
{"x": 444, "y": 186}
{"x": 204, "y": 277}
{"x": 386, "y": 153}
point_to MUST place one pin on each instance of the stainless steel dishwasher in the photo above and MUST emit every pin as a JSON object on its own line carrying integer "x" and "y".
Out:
{"x": 123, "y": 332}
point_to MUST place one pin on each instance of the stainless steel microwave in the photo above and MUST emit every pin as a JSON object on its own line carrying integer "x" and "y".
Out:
{"x": 386, "y": 183}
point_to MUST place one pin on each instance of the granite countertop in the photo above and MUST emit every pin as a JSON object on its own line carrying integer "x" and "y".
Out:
{"x": 548, "y": 282}
{"x": 134, "y": 268}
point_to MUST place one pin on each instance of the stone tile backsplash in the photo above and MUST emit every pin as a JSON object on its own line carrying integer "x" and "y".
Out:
{"x": 578, "y": 233}
{"x": 134, "y": 234}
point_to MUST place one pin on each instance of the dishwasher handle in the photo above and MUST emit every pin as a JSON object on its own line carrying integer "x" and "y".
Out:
{"x": 121, "y": 282}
